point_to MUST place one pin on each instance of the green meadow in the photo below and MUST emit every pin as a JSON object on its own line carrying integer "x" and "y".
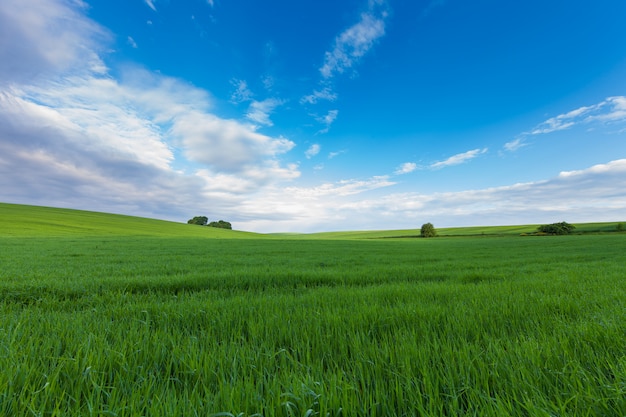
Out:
{"x": 108, "y": 315}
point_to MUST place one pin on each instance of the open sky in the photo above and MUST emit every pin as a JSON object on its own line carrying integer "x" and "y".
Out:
{"x": 317, "y": 115}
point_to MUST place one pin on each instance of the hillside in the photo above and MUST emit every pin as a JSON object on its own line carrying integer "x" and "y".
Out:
{"x": 24, "y": 220}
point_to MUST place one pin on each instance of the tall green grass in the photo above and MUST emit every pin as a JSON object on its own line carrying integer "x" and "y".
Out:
{"x": 178, "y": 326}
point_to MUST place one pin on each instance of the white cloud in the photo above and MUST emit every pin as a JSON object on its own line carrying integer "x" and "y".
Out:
{"x": 332, "y": 155}
{"x": 313, "y": 150}
{"x": 260, "y": 111}
{"x": 340, "y": 189}
{"x": 268, "y": 82}
{"x": 150, "y": 4}
{"x": 131, "y": 42}
{"x": 555, "y": 199}
{"x": 352, "y": 44}
{"x": 242, "y": 92}
{"x": 612, "y": 110}
{"x": 143, "y": 144}
{"x": 46, "y": 37}
{"x": 342, "y": 206}
{"x": 613, "y": 167}
{"x": 327, "y": 120}
{"x": 515, "y": 144}
{"x": 226, "y": 145}
{"x": 324, "y": 94}
{"x": 459, "y": 158}
{"x": 406, "y": 168}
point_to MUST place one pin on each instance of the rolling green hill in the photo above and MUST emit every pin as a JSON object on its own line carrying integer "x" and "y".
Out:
{"x": 25, "y": 220}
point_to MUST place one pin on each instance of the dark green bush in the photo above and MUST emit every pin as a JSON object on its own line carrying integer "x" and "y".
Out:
{"x": 562, "y": 228}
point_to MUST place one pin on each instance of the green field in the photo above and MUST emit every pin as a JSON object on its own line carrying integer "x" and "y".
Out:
{"x": 104, "y": 315}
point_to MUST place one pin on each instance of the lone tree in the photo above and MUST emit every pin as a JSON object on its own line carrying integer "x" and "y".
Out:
{"x": 200, "y": 220}
{"x": 221, "y": 224}
{"x": 428, "y": 230}
{"x": 562, "y": 228}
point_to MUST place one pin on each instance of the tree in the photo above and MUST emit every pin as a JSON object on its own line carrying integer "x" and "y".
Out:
{"x": 619, "y": 227}
{"x": 428, "y": 230}
{"x": 200, "y": 220}
{"x": 562, "y": 228}
{"x": 221, "y": 224}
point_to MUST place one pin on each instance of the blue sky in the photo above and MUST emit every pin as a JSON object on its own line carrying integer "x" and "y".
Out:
{"x": 316, "y": 115}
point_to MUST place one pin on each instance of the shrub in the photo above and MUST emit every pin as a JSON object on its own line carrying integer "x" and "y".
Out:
{"x": 562, "y": 228}
{"x": 199, "y": 220}
{"x": 221, "y": 224}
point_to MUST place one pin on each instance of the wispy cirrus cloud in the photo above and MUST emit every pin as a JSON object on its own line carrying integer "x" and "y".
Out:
{"x": 327, "y": 120}
{"x": 260, "y": 111}
{"x": 313, "y": 150}
{"x": 241, "y": 93}
{"x": 406, "y": 168}
{"x": 131, "y": 42}
{"x": 353, "y": 43}
{"x": 349, "y": 47}
{"x": 333, "y": 155}
{"x": 341, "y": 188}
{"x": 459, "y": 158}
{"x": 324, "y": 94}
{"x": 150, "y": 4}
{"x": 612, "y": 110}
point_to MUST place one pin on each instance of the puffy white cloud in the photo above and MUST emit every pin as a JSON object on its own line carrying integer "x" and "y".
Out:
{"x": 459, "y": 158}
{"x": 45, "y": 37}
{"x": 226, "y": 145}
{"x": 142, "y": 143}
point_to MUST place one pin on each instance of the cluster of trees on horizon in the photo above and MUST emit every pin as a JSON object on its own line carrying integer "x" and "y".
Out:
{"x": 204, "y": 221}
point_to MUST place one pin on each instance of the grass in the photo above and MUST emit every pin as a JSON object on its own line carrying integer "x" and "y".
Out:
{"x": 23, "y": 221}
{"x": 126, "y": 324}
